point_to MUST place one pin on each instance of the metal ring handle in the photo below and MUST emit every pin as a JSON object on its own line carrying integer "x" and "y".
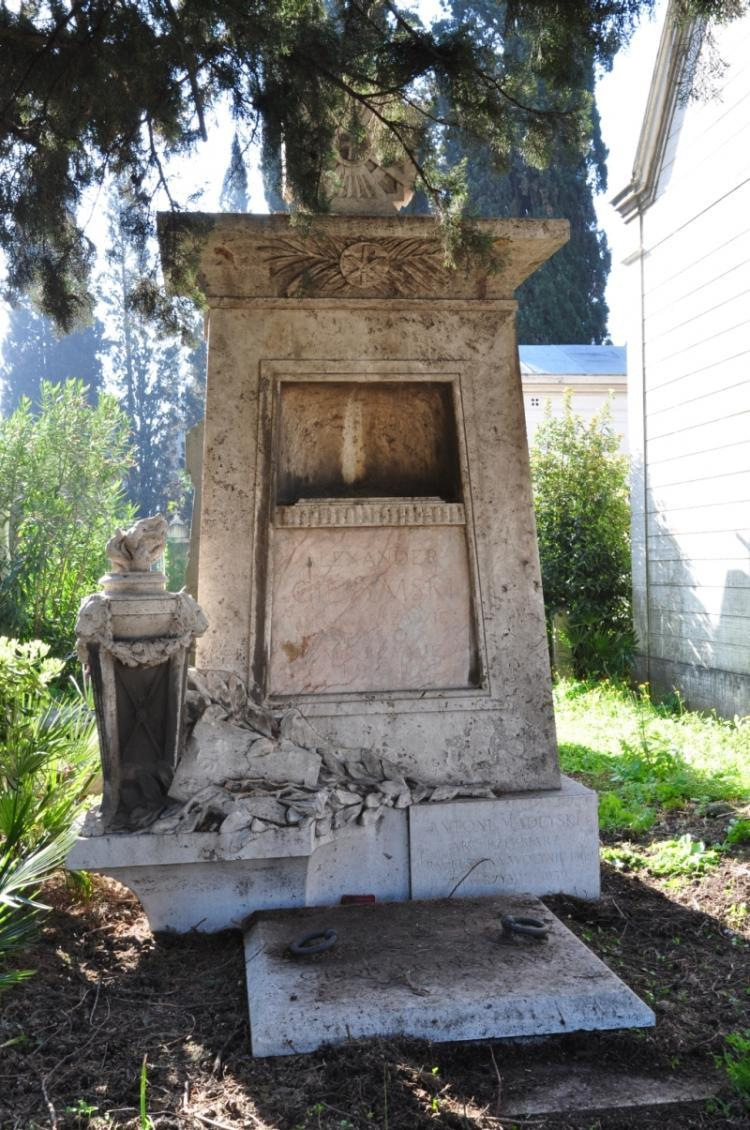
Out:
{"x": 318, "y": 941}
{"x": 530, "y": 927}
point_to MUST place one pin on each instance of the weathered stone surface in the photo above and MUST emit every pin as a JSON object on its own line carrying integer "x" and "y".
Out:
{"x": 353, "y": 849}
{"x": 540, "y": 842}
{"x": 362, "y": 861}
{"x": 134, "y": 640}
{"x": 247, "y": 810}
{"x": 136, "y": 549}
{"x": 438, "y": 971}
{"x": 96, "y": 850}
{"x": 212, "y": 881}
{"x": 219, "y": 750}
{"x": 498, "y": 732}
{"x": 212, "y": 896}
{"x": 564, "y": 1090}
{"x": 381, "y": 609}
{"x": 358, "y": 256}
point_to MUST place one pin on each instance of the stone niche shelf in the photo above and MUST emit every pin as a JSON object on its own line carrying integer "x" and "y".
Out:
{"x": 370, "y": 512}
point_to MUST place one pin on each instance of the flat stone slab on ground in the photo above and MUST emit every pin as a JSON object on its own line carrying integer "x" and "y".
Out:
{"x": 432, "y": 970}
{"x": 566, "y": 1089}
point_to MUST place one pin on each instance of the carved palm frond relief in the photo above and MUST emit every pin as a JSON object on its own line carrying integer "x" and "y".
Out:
{"x": 323, "y": 265}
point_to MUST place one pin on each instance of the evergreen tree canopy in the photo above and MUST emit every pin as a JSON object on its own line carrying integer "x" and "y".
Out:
{"x": 93, "y": 87}
{"x": 564, "y": 300}
{"x": 148, "y": 370}
{"x": 33, "y": 352}
{"x": 234, "y": 188}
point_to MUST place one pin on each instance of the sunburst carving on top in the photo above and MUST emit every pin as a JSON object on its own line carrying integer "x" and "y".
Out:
{"x": 359, "y": 186}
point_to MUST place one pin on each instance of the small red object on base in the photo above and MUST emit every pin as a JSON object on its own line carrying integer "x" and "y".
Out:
{"x": 356, "y": 900}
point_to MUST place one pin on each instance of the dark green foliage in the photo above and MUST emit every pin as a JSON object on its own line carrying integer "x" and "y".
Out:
{"x": 48, "y": 755}
{"x": 583, "y": 523}
{"x": 95, "y": 89}
{"x": 735, "y": 1060}
{"x": 175, "y": 564}
{"x": 61, "y": 498}
{"x": 564, "y": 300}
{"x": 33, "y": 352}
{"x": 234, "y": 188}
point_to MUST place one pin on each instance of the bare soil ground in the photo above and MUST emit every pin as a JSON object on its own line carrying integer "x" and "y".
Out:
{"x": 107, "y": 993}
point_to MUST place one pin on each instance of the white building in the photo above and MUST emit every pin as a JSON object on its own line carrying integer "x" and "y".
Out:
{"x": 593, "y": 373}
{"x": 688, "y": 209}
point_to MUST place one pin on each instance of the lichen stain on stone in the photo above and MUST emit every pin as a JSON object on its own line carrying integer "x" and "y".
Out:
{"x": 353, "y": 459}
{"x": 296, "y": 650}
{"x": 225, "y": 253}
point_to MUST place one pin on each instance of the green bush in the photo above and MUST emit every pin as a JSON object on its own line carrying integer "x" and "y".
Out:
{"x": 48, "y": 756}
{"x": 735, "y": 1059}
{"x": 61, "y": 497}
{"x": 583, "y": 523}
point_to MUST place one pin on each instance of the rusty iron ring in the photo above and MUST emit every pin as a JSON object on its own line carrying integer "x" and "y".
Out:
{"x": 318, "y": 941}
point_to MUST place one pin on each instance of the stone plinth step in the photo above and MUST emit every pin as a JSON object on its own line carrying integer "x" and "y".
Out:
{"x": 443, "y": 970}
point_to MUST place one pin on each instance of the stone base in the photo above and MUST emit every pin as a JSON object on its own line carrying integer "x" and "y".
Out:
{"x": 539, "y": 843}
{"x": 439, "y": 971}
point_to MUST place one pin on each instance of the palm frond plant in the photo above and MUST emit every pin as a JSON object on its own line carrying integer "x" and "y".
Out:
{"x": 47, "y": 763}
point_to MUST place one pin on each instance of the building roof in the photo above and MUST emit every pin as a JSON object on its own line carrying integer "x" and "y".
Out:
{"x": 573, "y": 360}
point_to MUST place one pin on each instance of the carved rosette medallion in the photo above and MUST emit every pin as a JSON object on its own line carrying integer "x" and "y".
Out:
{"x": 364, "y": 265}
{"x": 328, "y": 266}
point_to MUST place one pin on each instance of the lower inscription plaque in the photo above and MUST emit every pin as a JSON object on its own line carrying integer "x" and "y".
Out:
{"x": 542, "y": 843}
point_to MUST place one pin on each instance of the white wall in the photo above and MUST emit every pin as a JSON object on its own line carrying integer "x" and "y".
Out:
{"x": 586, "y": 402}
{"x": 692, "y": 549}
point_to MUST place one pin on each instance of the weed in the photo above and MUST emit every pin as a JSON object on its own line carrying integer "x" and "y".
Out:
{"x": 684, "y": 856}
{"x": 666, "y": 858}
{"x": 738, "y": 831}
{"x": 145, "y": 1121}
{"x": 643, "y": 757}
{"x": 624, "y": 857}
{"x": 737, "y": 914}
{"x": 81, "y": 1109}
{"x": 735, "y": 1060}
{"x": 616, "y": 813}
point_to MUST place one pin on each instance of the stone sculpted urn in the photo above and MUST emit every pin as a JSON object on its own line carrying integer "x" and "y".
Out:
{"x": 134, "y": 638}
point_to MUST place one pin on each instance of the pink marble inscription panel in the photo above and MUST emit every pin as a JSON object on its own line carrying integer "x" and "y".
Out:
{"x": 377, "y": 609}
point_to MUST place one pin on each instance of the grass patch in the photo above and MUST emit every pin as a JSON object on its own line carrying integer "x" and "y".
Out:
{"x": 665, "y": 858}
{"x": 643, "y": 758}
{"x": 735, "y": 1061}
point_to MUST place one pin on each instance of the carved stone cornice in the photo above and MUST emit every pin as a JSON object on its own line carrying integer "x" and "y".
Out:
{"x": 349, "y": 257}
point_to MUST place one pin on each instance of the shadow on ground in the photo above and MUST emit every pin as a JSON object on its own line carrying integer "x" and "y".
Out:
{"x": 107, "y": 994}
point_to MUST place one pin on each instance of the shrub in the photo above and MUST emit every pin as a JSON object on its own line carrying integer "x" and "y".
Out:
{"x": 580, "y": 486}
{"x": 48, "y": 756}
{"x": 61, "y": 497}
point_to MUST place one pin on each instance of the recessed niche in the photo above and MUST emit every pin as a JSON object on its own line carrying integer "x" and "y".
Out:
{"x": 347, "y": 439}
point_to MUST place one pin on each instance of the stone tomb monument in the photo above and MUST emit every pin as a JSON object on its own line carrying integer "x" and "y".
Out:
{"x": 370, "y": 714}
{"x": 371, "y": 710}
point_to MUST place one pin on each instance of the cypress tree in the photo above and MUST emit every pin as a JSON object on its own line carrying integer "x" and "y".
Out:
{"x": 234, "y": 188}
{"x": 90, "y": 89}
{"x": 564, "y": 301}
{"x": 146, "y": 369}
{"x": 33, "y": 352}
